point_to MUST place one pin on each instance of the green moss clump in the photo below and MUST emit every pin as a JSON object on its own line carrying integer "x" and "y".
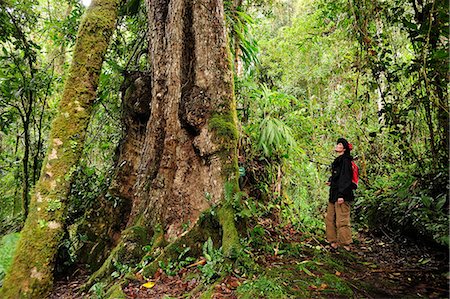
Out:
{"x": 230, "y": 238}
{"x": 115, "y": 292}
{"x": 136, "y": 234}
{"x": 158, "y": 239}
{"x": 336, "y": 284}
{"x": 224, "y": 125}
{"x": 208, "y": 294}
{"x": 127, "y": 252}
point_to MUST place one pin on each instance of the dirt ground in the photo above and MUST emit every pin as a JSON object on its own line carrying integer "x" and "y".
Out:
{"x": 376, "y": 267}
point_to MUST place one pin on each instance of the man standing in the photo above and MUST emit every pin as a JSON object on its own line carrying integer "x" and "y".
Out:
{"x": 337, "y": 219}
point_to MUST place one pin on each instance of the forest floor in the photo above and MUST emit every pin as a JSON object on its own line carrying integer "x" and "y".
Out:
{"x": 303, "y": 267}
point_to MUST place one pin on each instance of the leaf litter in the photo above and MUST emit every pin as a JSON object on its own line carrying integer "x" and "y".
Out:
{"x": 377, "y": 267}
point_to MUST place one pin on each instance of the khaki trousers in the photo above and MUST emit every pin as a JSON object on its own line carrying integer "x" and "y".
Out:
{"x": 337, "y": 223}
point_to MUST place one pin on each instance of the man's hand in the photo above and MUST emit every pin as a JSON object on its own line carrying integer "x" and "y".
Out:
{"x": 340, "y": 200}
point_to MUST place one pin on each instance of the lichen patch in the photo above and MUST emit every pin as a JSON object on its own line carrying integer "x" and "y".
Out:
{"x": 52, "y": 185}
{"x": 53, "y": 155}
{"x": 53, "y": 225}
{"x": 36, "y": 274}
{"x": 57, "y": 142}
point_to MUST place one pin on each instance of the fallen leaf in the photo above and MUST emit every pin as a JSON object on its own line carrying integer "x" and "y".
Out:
{"x": 158, "y": 273}
{"x": 149, "y": 285}
{"x": 233, "y": 283}
{"x": 139, "y": 276}
{"x": 424, "y": 261}
{"x": 323, "y": 286}
{"x": 338, "y": 273}
{"x": 308, "y": 272}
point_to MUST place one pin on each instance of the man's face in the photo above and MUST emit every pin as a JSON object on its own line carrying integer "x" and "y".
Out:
{"x": 339, "y": 148}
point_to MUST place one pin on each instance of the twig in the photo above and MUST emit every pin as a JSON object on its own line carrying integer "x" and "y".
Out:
{"x": 200, "y": 262}
{"x": 362, "y": 291}
{"x": 401, "y": 270}
{"x": 392, "y": 240}
{"x": 317, "y": 241}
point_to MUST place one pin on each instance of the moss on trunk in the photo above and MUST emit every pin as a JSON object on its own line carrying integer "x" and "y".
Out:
{"x": 31, "y": 273}
{"x": 128, "y": 252}
{"x": 115, "y": 292}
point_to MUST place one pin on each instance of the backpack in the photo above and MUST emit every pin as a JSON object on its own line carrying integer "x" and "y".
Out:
{"x": 355, "y": 175}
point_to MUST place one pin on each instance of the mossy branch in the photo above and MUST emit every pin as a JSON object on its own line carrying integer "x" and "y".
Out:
{"x": 31, "y": 273}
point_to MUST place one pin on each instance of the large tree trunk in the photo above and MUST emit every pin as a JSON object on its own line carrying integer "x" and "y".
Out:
{"x": 190, "y": 147}
{"x": 188, "y": 159}
{"x": 31, "y": 272}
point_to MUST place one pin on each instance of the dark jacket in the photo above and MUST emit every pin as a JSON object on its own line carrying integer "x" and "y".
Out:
{"x": 341, "y": 179}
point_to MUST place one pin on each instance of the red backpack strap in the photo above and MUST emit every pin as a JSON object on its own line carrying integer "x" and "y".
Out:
{"x": 355, "y": 175}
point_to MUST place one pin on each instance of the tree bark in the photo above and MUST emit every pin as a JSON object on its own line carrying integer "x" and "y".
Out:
{"x": 188, "y": 158}
{"x": 31, "y": 273}
{"x": 103, "y": 223}
{"x": 190, "y": 147}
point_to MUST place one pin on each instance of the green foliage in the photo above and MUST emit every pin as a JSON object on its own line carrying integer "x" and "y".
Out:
{"x": 10, "y": 224}
{"x": 401, "y": 50}
{"x": 214, "y": 266}
{"x": 324, "y": 68}
{"x": 120, "y": 269}
{"x": 98, "y": 289}
{"x": 242, "y": 44}
{"x": 89, "y": 183}
{"x": 7, "y": 247}
{"x": 9, "y": 188}
{"x": 172, "y": 267}
{"x": 401, "y": 204}
{"x": 274, "y": 137}
{"x": 314, "y": 70}
{"x": 34, "y": 37}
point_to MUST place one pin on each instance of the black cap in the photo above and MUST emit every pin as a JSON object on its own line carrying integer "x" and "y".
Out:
{"x": 344, "y": 143}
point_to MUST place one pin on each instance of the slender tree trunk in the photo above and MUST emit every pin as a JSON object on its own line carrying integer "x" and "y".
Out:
{"x": 238, "y": 63}
{"x": 381, "y": 76}
{"x": 31, "y": 273}
{"x": 38, "y": 150}
{"x": 443, "y": 119}
{"x": 25, "y": 163}
{"x": 38, "y": 125}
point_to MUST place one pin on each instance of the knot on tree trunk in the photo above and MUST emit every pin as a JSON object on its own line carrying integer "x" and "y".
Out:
{"x": 195, "y": 108}
{"x": 136, "y": 96}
